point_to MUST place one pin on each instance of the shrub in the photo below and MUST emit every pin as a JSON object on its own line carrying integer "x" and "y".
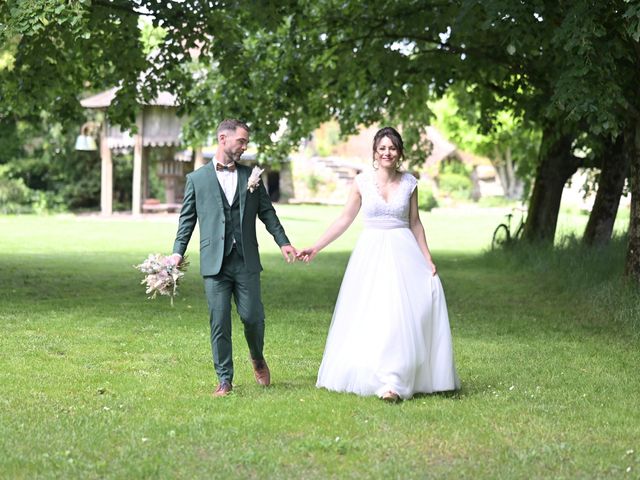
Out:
{"x": 454, "y": 180}
{"x": 455, "y": 184}
{"x": 313, "y": 182}
{"x": 15, "y": 196}
{"x": 426, "y": 199}
{"x": 46, "y": 201}
{"x": 82, "y": 193}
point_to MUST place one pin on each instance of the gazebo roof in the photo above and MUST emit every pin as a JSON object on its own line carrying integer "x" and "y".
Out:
{"x": 104, "y": 99}
{"x": 160, "y": 125}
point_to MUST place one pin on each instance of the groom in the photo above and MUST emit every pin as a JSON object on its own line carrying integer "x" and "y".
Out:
{"x": 217, "y": 195}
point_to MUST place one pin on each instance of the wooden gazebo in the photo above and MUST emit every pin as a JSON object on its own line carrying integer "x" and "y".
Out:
{"x": 158, "y": 127}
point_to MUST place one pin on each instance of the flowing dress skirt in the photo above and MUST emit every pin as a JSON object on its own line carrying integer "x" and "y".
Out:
{"x": 390, "y": 327}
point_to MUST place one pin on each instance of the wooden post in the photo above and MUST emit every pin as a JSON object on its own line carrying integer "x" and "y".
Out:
{"x": 198, "y": 160}
{"x": 170, "y": 179}
{"x": 145, "y": 173}
{"x": 106, "y": 173}
{"x": 138, "y": 152}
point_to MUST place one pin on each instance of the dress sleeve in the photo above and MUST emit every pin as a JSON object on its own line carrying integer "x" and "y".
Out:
{"x": 412, "y": 182}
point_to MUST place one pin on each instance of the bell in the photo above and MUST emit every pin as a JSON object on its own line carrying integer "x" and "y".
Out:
{"x": 86, "y": 143}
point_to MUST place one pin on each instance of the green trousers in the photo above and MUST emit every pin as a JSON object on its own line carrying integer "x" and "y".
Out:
{"x": 233, "y": 279}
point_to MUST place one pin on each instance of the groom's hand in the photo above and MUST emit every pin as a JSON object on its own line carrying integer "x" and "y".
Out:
{"x": 176, "y": 258}
{"x": 289, "y": 253}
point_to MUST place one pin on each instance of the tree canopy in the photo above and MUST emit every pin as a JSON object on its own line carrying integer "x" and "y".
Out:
{"x": 568, "y": 69}
{"x": 309, "y": 61}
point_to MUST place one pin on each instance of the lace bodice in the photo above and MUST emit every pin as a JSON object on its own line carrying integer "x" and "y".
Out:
{"x": 378, "y": 213}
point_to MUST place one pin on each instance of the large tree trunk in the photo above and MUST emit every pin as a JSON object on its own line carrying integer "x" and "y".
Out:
{"x": 632, "y": 266}
{"x": 557, "y": 164}
{"x": 614, "y": 170}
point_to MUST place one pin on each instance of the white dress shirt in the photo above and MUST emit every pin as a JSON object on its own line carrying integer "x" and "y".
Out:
{"x": 229, "y": 183}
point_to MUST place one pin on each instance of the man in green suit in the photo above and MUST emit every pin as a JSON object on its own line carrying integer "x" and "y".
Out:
{"x": 219, "y": 198}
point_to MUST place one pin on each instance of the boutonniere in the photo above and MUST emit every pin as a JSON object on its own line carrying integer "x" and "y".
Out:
{"x": 254, "y": 178}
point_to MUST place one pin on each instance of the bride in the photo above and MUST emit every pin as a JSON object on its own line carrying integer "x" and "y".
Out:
{"x": 390, "y": 333}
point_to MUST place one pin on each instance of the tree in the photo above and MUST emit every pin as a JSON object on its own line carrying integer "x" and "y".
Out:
{"x": 613, "y": 161}
{"x": 599, "y": 88}
{"x": 509, "y": 144}
{"x": 517, "y": 63}
{"x": 572, "y": 73}
{"x": 61, "y": 49}
{"x": 298, "y": 61}
{"x": 568, "y": 68}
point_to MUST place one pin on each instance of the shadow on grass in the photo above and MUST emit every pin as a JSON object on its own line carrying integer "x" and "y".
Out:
{"x": 450, "y": 395}
{"x": 521, "y": 293}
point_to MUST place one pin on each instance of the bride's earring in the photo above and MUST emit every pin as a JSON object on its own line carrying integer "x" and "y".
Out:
{"x": 398, "y": 164}
{"x": 375, "y": 164}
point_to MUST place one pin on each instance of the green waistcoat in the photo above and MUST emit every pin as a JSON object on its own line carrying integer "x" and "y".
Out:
{"x": 233, "y": 229}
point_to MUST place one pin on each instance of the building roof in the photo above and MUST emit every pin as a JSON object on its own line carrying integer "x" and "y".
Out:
{"x": 473, "y": 160}
{"x": 104, "y": 99}
{"x": 441, "y": 149}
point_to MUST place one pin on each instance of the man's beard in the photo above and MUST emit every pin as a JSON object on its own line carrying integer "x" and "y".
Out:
{"x": 232, "y": 156}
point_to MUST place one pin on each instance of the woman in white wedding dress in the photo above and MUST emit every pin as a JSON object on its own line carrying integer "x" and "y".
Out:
{"x": 390, "y": 333}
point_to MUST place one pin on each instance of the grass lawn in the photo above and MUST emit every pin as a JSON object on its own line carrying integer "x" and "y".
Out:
{"x": 98, "y": 382}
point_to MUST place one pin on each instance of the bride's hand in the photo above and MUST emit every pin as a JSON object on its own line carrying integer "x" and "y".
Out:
{"x": 432, "y": 265}
{"x": 307, "y": 254}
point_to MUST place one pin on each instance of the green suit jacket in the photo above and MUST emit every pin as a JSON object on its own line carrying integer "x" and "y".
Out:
{"x": 203, "y": 203}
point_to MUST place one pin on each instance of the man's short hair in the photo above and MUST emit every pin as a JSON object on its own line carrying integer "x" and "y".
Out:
{"x": 230, "y": 125}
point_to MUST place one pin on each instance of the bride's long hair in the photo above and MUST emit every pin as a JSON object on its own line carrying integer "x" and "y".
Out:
{"x": 393, "y": 135}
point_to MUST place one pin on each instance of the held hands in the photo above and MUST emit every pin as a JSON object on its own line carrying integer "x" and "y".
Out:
{"x": 307, "y": 254}
{"x": 289, "y": 253}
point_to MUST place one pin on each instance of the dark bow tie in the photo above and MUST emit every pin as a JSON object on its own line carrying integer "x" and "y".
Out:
{"x": 230, "y": 167}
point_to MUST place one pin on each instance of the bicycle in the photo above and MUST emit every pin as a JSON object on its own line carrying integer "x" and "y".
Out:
{"x": 502, "y": 236}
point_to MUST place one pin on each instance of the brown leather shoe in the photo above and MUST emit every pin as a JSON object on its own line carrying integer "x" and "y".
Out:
{"x": 261, "y": 371}
{"x": 223, "y": 389}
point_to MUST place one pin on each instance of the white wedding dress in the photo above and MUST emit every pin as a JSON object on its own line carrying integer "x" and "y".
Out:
{"x": 390, "y": 327}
